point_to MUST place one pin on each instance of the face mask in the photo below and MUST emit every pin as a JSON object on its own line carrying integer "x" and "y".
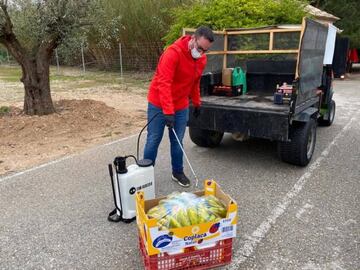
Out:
{"x": 195, "y": 53}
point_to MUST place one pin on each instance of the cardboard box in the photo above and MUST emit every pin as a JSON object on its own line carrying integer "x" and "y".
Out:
{"x": 175, "y": 240}
{"x": 227, "y": 76}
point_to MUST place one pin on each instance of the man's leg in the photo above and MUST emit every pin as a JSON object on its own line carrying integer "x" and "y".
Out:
{"x": 181, "y": 119}
{"x": 155, "y": 132}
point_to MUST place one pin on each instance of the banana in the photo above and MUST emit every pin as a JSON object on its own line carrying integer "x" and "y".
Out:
{"x": 219, "y": 212}
{"x": 182, "y": 218}
{"x": 213, "y": 201}
{"x": 203, "y": 215}
{"x": 193, "y": 216}
{"x": 157, "y": 212}
{"x": 211, "y": 218}
{"x": 163, "y": 221}
{"x": 173, "y": 223}
{"x": 186, "y": 209}
{"x": 153, "y": 210}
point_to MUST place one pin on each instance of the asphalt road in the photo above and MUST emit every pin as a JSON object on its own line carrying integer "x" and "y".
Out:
{"x": 54, "y": 216}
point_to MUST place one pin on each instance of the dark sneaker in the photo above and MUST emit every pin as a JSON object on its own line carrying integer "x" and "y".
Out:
{"x": 181, "y": 179}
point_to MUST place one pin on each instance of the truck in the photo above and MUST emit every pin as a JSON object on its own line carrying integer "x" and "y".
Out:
{"x": 297, "y": 57}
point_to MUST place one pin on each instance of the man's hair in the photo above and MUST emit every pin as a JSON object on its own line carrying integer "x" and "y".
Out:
{"x": 206, "y": 32}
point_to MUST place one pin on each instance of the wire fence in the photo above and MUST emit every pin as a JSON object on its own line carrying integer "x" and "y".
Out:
{"x": 121, "y": 58}
{"x": 5, "y": 57}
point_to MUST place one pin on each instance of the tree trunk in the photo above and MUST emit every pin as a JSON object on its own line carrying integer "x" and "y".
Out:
{"x": 35, "y": 74}
{"x": 37, "y": 87}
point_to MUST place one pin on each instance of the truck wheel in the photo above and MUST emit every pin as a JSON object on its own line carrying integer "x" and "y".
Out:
{"x": 300, "y": 149}
{"x": 205, "y": 138}
{"x": 331, "y": 112}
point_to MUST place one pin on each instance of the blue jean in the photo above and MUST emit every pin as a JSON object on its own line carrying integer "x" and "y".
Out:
{"x": 155, "y": 133}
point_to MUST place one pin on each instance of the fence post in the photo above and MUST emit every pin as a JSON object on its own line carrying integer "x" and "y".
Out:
{"x": 121, "y": 65}
{"x": 82, "y": 57}
{"x": 8, "y": 56}
{"x": 57, "y": 61}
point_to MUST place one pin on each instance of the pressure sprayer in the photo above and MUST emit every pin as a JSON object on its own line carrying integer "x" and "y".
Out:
{"x": 130, "y": 179}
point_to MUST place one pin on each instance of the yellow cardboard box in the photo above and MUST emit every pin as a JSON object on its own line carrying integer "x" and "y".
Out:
{"x": 227, "y": 76}
{"x": 200, "y": 235}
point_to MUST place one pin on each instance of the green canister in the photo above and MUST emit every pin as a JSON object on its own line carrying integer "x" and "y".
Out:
{"x": 239, "y": 79}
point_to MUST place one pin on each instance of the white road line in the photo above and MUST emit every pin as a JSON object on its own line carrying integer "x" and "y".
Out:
{"x": 64, "y": 158}
{"x": 34, "y": 168}
{"x": 260, "y": 233}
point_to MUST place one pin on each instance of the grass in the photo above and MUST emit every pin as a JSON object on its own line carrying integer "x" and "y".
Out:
{"x": 13, "y": 74}
{"x": 4, "y": 110}
{"x": 10, "y": 73}
{"x": 73, "y": 80}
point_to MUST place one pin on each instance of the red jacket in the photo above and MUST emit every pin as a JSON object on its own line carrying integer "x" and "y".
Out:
{"x": 177, "y": 78}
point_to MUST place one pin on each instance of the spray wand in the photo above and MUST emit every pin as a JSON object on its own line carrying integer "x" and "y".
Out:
{"x": 188, "y": 161}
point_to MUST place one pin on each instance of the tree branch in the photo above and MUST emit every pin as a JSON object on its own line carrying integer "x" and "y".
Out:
{"x": 3, "y": 2}
{"x": 7, "y": 36}
{"x": 7, "y": 26}
{"x": 48, "y": 46}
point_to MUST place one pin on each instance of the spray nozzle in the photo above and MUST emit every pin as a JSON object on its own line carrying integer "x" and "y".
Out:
{"x": 120, "y": 164}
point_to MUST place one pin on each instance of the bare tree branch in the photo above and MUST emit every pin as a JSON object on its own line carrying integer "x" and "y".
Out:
{"x": 48, "y": 46}
{"x": 7, "y": 36}
{"x": 7, "y": 24}
{"x": 3, "y": 2}
{"x": 2, "y": 6}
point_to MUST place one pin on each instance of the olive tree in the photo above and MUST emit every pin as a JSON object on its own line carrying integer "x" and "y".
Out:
{"x": 31, "y": 30}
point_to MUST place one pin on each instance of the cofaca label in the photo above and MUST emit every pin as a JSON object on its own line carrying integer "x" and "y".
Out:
{"x": 195, "y": 236}
{"x": 162, "y": 241}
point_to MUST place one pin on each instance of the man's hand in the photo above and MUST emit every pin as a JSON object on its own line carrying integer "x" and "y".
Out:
{"x": 169, "y": 120}
{"x": 196, "y": 112}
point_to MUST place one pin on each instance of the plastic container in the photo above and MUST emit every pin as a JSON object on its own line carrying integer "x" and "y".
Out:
{"x": 217, "y": 255}
{"x": 134, "y": 179}
{"x": 227, "y": 76}
{"x": 222, "y": 90}
{"x": 239, "y": 79}
{"x": 160, "y": 241}
{"x": 278, "y": 98}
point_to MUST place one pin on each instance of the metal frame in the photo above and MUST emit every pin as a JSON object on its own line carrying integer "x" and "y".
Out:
{"x": 303, "y": 25}
{"x": 270, "y": 31}
{"x": 258, "y": 122}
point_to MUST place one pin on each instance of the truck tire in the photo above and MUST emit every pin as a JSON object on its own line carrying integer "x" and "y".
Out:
{"x": 332, "y": 110}
{"x": 300, "y": 149}
{"x": 205, "y": 138}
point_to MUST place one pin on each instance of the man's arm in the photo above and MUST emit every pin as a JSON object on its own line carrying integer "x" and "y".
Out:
{"x": 195, "y": 94}
{"x": 166, "y": 71}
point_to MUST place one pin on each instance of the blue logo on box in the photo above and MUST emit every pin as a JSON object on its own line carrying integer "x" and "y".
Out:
{"x": 162, "y": 241}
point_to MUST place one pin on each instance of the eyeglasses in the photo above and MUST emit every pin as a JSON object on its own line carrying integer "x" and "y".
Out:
{"x": 199, "y": 48}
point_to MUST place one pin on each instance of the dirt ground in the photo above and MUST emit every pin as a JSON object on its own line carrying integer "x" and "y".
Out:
{"x": 90, "y": 110}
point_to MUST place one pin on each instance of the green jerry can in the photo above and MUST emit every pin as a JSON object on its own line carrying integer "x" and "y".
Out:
{"x": 239, "y": 79}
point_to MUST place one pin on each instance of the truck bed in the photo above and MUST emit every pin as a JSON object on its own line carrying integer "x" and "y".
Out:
{"x": 247, "y": 102}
